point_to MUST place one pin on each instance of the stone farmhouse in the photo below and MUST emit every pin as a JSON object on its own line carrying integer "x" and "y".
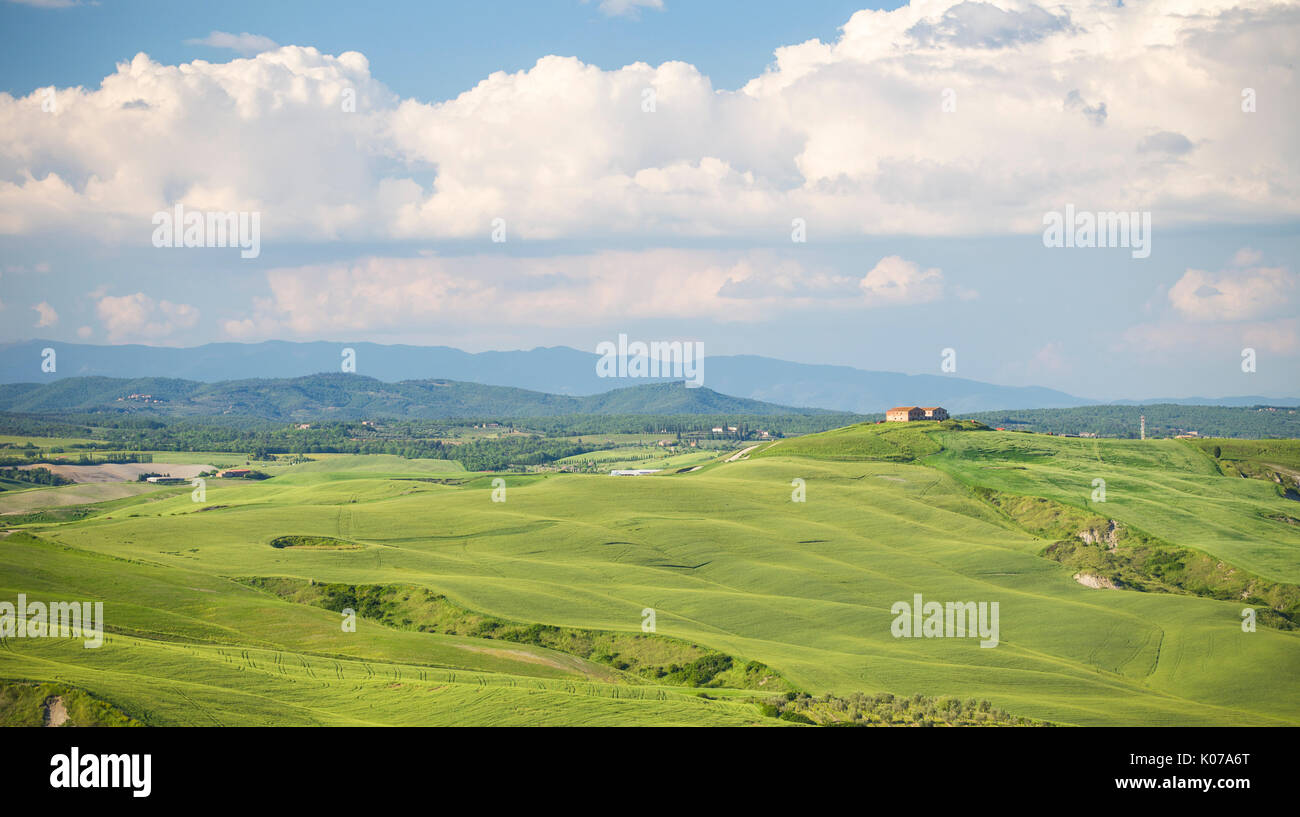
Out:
{"x": 904, "y": 414}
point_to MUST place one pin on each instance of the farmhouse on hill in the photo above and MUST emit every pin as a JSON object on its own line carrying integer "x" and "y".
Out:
{"x": 903, "y": 414}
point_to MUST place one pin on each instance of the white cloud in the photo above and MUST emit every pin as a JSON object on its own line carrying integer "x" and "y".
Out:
{"x": 139, "y": 317}
{"x": 984, "y": 25}
{"x": 244, "y": 43}
{"x": 395, "y": 294}
{"x": 1233, "y": 295}
{"x": 850, "y": 135}
{"x": 1216, "y": 315}
{"x": 45, "y": 315}
{"x": 272, "y": 131}
{"x": 898, "y": 281}
{"x": 84, "y": 332}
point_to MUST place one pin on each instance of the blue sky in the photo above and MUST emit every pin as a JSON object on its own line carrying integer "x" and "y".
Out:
{"x": 921, "y": 148}
{"x": 430, "y": 50}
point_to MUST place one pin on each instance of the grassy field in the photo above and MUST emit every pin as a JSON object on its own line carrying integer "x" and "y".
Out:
{"x": 724, "y": 557}
{"x": 33, "y": 497}
{"x": 377, "y": 465}
{"x": 642, "y": 457}
{"x": 1168, "y": 488}
{"x": 43, "y": 443}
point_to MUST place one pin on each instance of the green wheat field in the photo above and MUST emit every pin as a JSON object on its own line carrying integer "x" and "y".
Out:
{"x": 529, "y": 610}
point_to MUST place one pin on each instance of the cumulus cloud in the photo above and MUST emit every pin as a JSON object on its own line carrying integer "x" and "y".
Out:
{"x": 892, "y": 281}
{"x": 850, "y": 135}
{"x": 244, "y": 43}
{"x": 140, "y": 317}
{"x": 271, "y": 129}
{"x": 45, "y": 315}
{"x": 753, "y": 279}
{"x": 898, "y": 281}
{"x": 406, "y": 294}
{"x": 1233, "y": 295}
{"x": 985, "y": 25}
{"x": 1214, "y": 315}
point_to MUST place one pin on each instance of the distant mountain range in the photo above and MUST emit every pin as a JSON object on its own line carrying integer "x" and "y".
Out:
{"x": 556, "y": 371}
{"x": 356, "y": 397}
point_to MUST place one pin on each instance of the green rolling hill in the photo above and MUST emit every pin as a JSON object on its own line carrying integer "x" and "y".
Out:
{"x": 751, "y": 587}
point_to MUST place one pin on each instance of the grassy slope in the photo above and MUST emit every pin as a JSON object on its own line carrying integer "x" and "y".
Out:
{"x": 199, "y": 685}
{"x": 1283, "y": 452}
{"x": 894, "y": 442}
{"x": 31, "y": 704}
{"x": 91, "y": 492}
{"x": 188, "y": 648}
{"x": 1168, "y": 488}
{"x": 726, "y": 560}
{"x": 377, "y": 465}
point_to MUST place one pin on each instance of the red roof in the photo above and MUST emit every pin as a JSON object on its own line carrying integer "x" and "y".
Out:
{"x": 904, "y": 408}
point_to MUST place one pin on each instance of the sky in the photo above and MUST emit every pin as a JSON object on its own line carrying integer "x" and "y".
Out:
{"x": 836, "y": 183}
